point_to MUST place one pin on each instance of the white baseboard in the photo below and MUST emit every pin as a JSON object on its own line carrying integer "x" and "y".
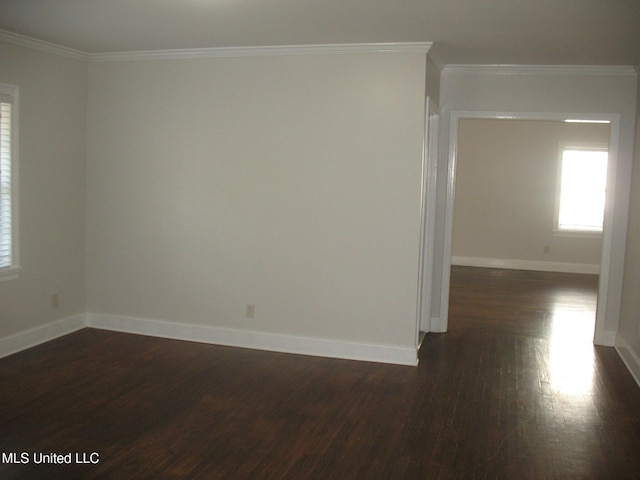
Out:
{"x": 255, "y": 340}
{"x": 437, "y": 326}
{"x": 535, "y": 265}
{"x": 629, "y": 358}
{"x": 212, "y": 335}
{"x": 606, "y": 338}
{"x": 36, "y": 336}
{"x": 432, "y": 325}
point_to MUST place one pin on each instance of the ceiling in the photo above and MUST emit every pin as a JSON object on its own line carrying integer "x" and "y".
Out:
{"x": 534, "y": 32}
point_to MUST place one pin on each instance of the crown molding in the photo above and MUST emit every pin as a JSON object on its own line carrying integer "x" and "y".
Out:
{"x": 590, "y": 70}
{"x": 42, "y": 46}
{"x": 322, "y": 49}
{"x": 218, "y": 52}
{"x": 436, "y": 57}
{"x": 277, "y": 50}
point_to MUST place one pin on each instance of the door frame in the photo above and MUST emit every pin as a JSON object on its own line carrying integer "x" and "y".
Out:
{"x": 427, "y": 217}
{"x": 601, "y": 337}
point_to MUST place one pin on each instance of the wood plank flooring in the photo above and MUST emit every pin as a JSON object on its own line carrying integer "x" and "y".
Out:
{"x": 515, "y": 391}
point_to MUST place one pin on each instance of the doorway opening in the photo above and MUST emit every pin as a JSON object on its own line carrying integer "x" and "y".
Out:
{"x": 549, "y": 251}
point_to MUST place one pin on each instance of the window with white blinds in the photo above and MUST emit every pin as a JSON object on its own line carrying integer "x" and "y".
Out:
{"x": 5, "y": 184}
{"x": 8, "y": 169}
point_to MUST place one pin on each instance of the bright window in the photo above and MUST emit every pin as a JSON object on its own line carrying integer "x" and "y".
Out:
{"x": 582, "y": 189}
{"x": 8, "y": 183}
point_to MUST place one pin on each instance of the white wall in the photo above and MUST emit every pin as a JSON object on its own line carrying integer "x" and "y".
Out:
{"x": 573, "y": 90}
{"x": 506, "y": 181}
{"x": 52, "y": 115}
{"x": 628, "y": 341}
{"x": 287, "y": 182}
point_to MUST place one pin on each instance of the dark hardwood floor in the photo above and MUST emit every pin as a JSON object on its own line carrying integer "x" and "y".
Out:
{"x": 516, "y": 390}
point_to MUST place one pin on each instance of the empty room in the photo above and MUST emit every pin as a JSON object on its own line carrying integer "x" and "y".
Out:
{"x": 369, "y": 239}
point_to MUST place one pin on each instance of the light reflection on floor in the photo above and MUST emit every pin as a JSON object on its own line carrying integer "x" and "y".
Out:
{"x": 571, "y": 353}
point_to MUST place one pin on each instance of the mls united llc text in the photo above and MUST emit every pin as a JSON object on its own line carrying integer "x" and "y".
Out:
{"x": 51, "y": 458}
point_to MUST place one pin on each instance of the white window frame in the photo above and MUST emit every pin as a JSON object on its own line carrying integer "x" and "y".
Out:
{"x": 9, "y": 94}
{"x": 556, "y": 225}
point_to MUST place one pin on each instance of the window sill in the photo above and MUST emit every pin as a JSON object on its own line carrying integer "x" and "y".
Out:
{"x": 577, "y": 234}
{"x": 9, "y": 273}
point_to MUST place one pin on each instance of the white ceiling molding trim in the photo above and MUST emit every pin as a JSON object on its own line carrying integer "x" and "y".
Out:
{"x": 278, "y": 50}
{"x": 35, "y": 44}
{"x": 436, "y": 57}
{"x": 590, "y": 70}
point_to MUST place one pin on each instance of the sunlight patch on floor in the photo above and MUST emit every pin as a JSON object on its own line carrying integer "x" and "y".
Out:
{"x": 571, "y": 353}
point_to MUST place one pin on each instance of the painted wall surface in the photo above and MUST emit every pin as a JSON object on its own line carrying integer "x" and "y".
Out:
{"x": 288, "y": 182}
{"x": 545, "y": 90}
{"x": 629, "y": 332}
{"x": 52, "y": 116}
{"x": 506, "y": 180}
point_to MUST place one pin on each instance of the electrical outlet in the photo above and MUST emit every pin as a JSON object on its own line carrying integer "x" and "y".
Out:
{"x": 251, "y": 311}
{"x": 55, "y": 300}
